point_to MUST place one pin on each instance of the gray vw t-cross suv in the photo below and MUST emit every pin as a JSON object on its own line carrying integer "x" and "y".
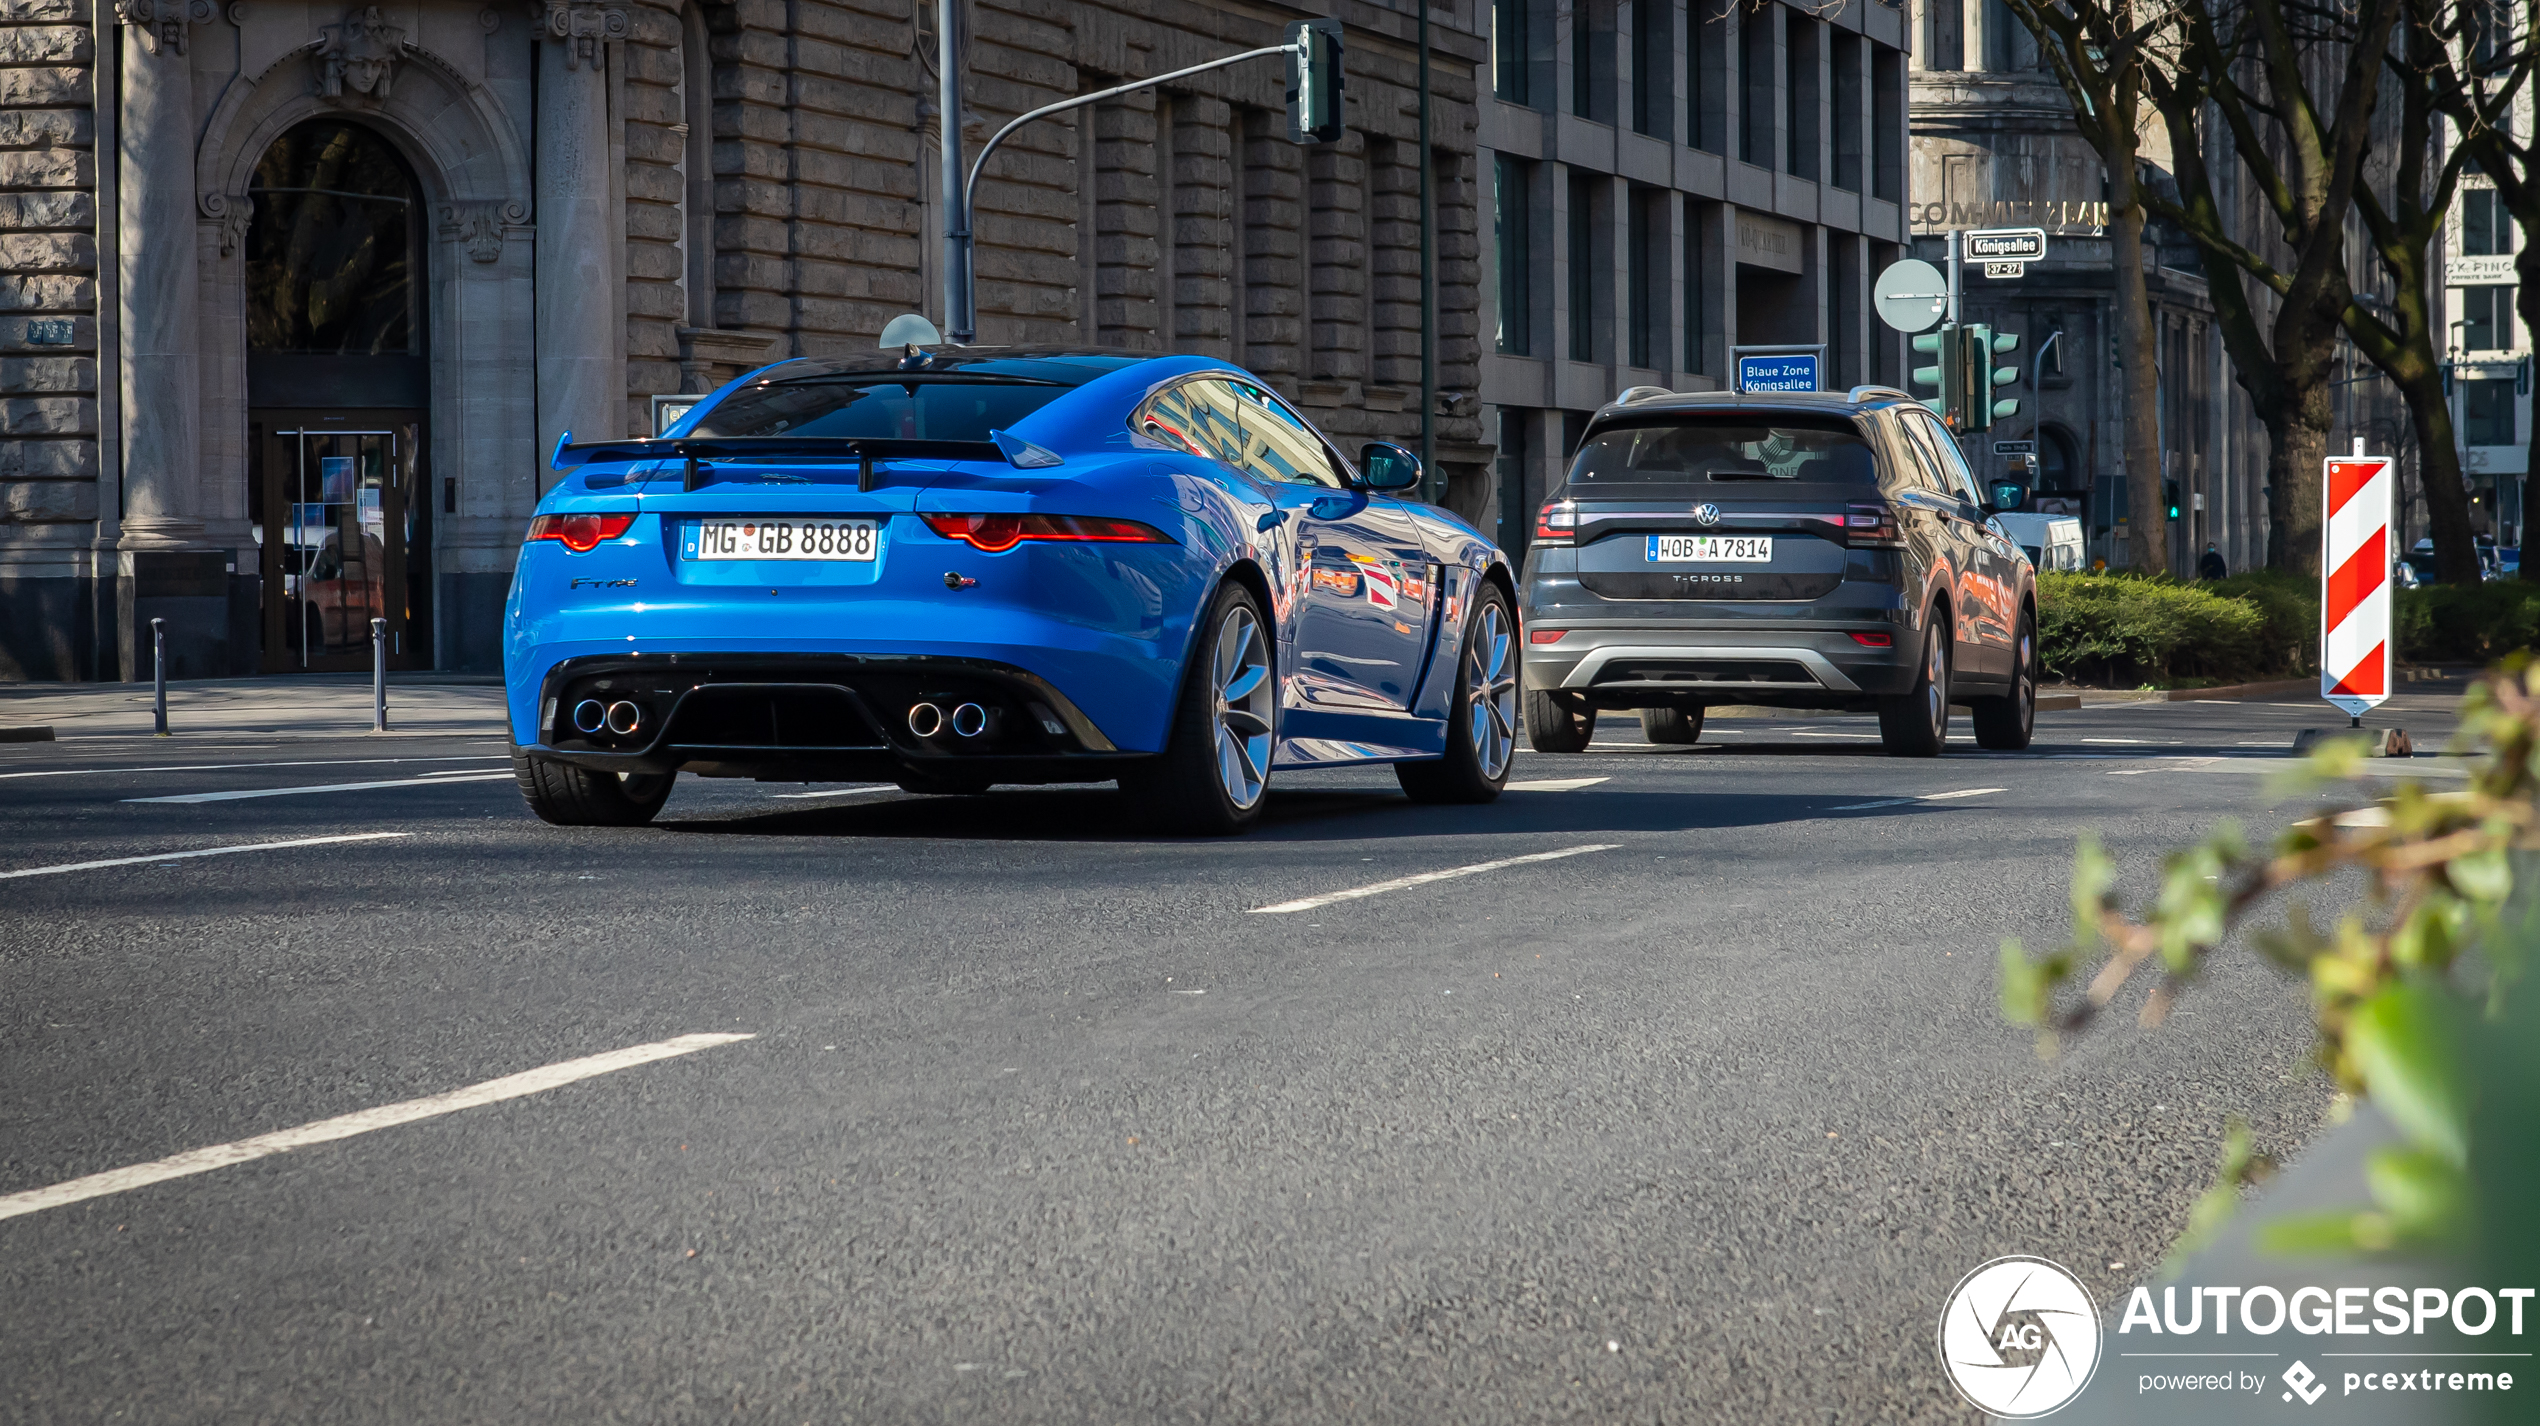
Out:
{"x": 1812, "y": 550}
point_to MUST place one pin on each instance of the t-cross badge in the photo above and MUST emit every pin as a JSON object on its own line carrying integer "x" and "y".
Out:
{"x": 1810, "y": 550}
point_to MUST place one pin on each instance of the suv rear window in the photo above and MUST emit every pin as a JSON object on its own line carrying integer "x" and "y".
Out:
{"x": 1710, "y": 449}
{"x": 906, "y": 407}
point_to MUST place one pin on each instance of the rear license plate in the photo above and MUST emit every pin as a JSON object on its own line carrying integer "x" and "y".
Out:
{"x": 782, "y": 540}
{"x": 1710, "y": 549}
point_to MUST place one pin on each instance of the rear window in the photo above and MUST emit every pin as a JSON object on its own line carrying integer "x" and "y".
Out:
{"x": 1723, "y": 450}
{"x": 934, "y": 409}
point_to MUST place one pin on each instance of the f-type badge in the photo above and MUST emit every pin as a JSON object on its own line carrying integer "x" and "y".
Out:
{"x": 601, "y": 584}
{"x": 1706, "y": 513}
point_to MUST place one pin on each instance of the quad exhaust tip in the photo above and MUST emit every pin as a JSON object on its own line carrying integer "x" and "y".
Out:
{"x": 925, "y": 720}
{"x": 589, "y": 716}
{"x": 625, "y": 717}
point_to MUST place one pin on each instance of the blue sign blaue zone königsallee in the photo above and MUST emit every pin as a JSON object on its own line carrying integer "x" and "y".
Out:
{"x": 1789, "y": 371}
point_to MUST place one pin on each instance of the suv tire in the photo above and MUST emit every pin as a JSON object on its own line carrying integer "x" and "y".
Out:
{"x": 1479, "y": 722}
{"x": 1553, "y": 727}
{"x": 2006, "y": 724}
{"x": 1229, "y": 690}
{"x": 1916, "y": 724}
{"x": 567, "y": 795}
{"x": 1671, "y": 725}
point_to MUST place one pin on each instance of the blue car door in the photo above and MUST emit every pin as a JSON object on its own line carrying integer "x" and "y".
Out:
{"x": 1363, "y": 621}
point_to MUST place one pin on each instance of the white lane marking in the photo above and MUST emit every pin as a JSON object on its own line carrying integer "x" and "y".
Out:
{"x": 1807, "y": 733}
{"x": 840, "y": 792}
{"x": 224, "y": 767}
{"x": 206, "y": 852}
{"x": 1555, "y": 784}
{"x": 1911, "y": 801}
{"x": 428, "y": 780}
{"x": 2147, "y": 742}
{"x": 1404, "y": 882}
{"x": 387, "y": 1116}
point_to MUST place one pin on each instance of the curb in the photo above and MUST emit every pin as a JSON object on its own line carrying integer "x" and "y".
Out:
{"x": 27, "y": 733}
{"x": 2101, "y": 698}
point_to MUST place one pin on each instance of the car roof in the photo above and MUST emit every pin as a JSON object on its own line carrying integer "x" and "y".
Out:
{"x": 1067, "y": 366}
{"x": 1639, "y": 405}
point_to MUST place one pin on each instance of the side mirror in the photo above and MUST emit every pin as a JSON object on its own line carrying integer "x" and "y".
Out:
{"x": 1383, "y": 466}
{"x": 2006, "y": 495}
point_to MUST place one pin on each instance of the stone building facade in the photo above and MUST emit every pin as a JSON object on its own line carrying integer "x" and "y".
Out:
{"x": 299, "y": 295}
{"x": 1668, "y": 179}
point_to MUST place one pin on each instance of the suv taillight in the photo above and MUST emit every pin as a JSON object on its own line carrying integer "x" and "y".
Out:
{"x": 1557, "y": 523}
{"x": 1871, "y": 526}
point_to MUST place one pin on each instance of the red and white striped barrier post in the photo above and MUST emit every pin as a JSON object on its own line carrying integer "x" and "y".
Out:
{"x": 2355, "y": 583}
{"x": 2355, "y": 593}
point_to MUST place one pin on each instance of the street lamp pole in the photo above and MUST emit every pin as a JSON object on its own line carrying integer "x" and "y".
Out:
{"x": 1428, "y": 284}
{"x": 958, "y": 316}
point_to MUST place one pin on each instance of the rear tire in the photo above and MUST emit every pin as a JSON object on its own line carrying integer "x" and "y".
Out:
{"x": 1551, "y": 727}
{"x": 2007, "y": 724}
{"x": 1916, "y": 724}
{"x": 1671, "y": 725}
{"x": 1213, "y": 776}
{"x": 1481, "y": 724}
{"x": 568, "y": 795}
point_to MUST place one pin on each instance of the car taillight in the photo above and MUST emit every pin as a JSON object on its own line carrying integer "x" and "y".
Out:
{"x": 1557, "y": 522}
{"x": 1873, "y": 641}
{"x": 997, "y": 533}
{"x": 1545, "y": 636}
{"x": 1870, "y": 525}
{"x": 579, "y": 533}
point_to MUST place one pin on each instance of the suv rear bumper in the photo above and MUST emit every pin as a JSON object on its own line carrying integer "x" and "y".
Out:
{"x": 1673, "y": 665}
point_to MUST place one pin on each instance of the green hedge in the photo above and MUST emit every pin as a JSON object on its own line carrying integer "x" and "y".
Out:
{"x": 2456, "y": 623}
{"x": 2123, "y": 630}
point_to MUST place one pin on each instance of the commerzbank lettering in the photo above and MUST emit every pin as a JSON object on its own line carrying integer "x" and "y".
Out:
{"x": 2321, "y": 1311}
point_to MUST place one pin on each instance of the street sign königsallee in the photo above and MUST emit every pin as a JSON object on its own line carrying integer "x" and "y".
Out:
{"x": 2006, "y": 245}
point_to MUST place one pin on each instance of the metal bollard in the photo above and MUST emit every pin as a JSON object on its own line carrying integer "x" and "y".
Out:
{"x": 379, "y": 675}
{"x": 159, "y": 676}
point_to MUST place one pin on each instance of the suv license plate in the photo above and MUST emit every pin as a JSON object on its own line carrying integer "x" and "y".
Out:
{"x": 782, "y": 540}
{"x": 1710, "y": 549}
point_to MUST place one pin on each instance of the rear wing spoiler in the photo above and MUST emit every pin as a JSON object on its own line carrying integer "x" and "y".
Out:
{"x": 865, "y": 451}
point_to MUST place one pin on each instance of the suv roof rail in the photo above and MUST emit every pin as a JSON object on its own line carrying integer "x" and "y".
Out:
{"x": 1630, "y": 394}
{"x": 1864, "y": 393}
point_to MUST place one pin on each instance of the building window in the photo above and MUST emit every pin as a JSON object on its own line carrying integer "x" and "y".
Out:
{"x": 2487, "y": 319}
{"x": 1646, "y": 270}
{"x": 2002, "y": 36}
{"x": 1583, "y": 267}
{"x": 1799, "y": 93}
{"x": 1653, "y": 68}
{"x": 1512, "y": 231}
{"x": 1516, "y": 515}
{"x": 1755, "y": 137}
{"x": 1944, "y": 35}
{"x": 1696, "y": 276}
{"x": 1887, "y": 110}
{"x": 1511, "y": 50}
{"x": 1850, "y": 90}
{"x": 1592, "y": 59}
{"x": 2487, "y": 226}
{"x": 2487, "y": 413}
{"x": 1706, "y": 112}
{"x": 1846, "y": 261}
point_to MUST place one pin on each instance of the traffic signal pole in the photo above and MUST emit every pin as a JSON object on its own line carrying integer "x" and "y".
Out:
{"x": 1956, "y": 277}
{"x": 1312, "y": 43}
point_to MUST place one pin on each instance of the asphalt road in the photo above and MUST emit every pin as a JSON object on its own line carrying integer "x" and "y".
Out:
{"x": 1042, "y": 1121}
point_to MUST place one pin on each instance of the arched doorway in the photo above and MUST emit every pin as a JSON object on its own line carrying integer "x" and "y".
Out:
{"x": 338, "y": 385}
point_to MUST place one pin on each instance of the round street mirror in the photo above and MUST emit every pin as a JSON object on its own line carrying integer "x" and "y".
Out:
{"x": 1912, "y": 295}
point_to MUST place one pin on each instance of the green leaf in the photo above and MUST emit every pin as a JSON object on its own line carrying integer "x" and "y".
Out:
{"x": 2402, "y": 1041}
{"x": 2482, "y": 875}
{"x": 2307, "y": 1234}
{"x": 2427, "y": 1198}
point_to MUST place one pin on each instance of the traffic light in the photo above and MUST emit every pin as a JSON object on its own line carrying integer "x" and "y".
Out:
{"x": 1314, "y": 81}
{"x": 1947, "y": 379}
{"x": 2169, "y": 496}
{"x": 2003, "y": 344}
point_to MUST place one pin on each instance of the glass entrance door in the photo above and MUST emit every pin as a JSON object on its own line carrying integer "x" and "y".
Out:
{"x": 340, "y": 529}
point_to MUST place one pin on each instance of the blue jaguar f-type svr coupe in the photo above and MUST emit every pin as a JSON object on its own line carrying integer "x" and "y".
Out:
{"x": 957, "y": 567}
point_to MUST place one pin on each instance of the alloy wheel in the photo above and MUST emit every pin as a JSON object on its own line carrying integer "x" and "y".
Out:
{"x": 1488, "y": 672}
{"x": 2027, "y": 675}
{"x": 1937, "y": 676}
{"x": 1241, "y": 677}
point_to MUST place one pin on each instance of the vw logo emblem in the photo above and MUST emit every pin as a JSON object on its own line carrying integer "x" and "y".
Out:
{"x": 1706, "y": 514}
